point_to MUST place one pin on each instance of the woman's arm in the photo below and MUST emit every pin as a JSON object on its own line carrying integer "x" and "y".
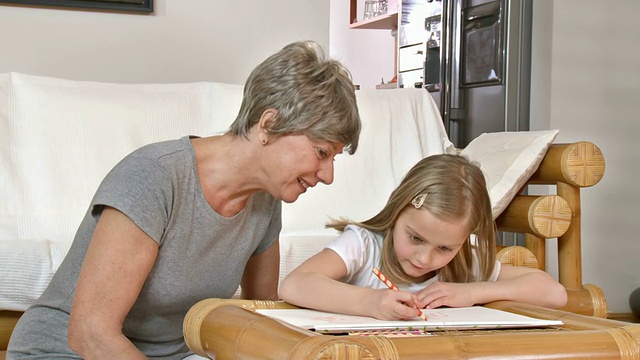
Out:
{"x": 261, "y": 275}
{"x": 515, "y": 283}
{"x": 314, "y": 284}
{"x": 118, "y": 261}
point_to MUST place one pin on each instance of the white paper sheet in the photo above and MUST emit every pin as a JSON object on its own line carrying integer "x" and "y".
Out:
{"x": 465, "y": 318}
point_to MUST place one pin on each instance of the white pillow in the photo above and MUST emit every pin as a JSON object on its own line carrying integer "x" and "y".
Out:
{"x": 508, "y": 159}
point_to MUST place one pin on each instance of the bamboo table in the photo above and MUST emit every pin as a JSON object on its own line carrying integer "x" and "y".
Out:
{"x": 230, "y": 329}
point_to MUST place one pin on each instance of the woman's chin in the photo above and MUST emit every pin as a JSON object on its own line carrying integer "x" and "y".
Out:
{"x": 290, "y": 198}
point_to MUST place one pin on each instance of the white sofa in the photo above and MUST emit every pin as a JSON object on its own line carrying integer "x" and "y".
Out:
{"x": 58, "y": 138}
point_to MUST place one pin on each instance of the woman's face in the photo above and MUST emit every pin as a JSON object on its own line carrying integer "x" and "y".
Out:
{"x": 424, "y": 243}
{"x": 299, "y": 164}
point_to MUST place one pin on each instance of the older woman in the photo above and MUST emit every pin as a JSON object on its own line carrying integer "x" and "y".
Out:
{"x": 179, "y": 221}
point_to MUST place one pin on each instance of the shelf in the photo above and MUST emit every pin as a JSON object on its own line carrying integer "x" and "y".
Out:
{"x": 387, "y": 21}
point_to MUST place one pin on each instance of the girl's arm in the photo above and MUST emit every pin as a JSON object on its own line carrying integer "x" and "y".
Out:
{"x": 118, "y": 261}
{"x": 515, "y": 283}
{"x": 314, "y": 284}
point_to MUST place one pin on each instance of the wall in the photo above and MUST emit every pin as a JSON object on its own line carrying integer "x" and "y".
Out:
{"x": 184, "y": 40}
{"x": 595, "y": 95}
{"x": 368, "y": 54}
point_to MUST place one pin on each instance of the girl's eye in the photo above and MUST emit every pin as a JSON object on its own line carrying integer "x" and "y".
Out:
{"x": 416, "y": 239}
{"x": 445, "y": 249}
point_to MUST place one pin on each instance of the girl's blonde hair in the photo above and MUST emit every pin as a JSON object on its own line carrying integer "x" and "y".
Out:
{"x": 452, "y": 189}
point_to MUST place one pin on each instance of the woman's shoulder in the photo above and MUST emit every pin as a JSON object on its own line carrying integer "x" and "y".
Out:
{"x": 164, "y": 147}
{"x": 176, "y": 156}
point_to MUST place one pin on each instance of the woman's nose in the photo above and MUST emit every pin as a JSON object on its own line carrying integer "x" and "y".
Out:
{"x": 325, "y": 173}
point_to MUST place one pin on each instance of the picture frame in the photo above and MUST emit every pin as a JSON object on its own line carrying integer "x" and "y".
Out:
{"x": 138, "y": 6}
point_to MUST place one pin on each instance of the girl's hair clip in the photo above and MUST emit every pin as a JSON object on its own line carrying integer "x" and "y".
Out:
{"x": 418, "y": 200}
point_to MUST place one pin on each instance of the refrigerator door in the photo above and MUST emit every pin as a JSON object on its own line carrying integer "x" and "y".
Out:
{"x": 481, "y": 100}
{"x": 478, "y": 69}
{"x": 481, "y": 78}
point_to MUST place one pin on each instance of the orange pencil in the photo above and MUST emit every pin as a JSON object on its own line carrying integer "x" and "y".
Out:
{"x": 392, "y": 286}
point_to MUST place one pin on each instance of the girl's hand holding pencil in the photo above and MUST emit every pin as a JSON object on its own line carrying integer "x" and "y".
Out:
{"x": 392, "y": 286}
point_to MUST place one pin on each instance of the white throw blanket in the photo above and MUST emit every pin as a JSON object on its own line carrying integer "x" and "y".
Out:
{"x": 58, "y": 138}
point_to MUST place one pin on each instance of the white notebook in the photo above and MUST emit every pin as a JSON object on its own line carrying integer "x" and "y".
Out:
{"x": 465, "y": 318}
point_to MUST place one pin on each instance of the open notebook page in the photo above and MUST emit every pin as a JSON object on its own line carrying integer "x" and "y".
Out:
{"x": 465, "y": 318}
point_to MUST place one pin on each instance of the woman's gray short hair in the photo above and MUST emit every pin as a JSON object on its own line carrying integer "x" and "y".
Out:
{"x": 312, "y": 94}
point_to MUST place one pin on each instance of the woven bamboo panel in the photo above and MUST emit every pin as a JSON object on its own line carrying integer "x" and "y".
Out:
{"x": 329, "y": 348}
{"x": 547, "y": 216}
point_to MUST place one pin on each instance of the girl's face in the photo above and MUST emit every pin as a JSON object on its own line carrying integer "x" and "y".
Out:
{"x": 424, "y": 243}
{"x": 299, "y": 164}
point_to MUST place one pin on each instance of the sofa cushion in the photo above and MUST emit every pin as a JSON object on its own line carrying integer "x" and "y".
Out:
{"x": 508, "y": 159}
{"x": 60, "y": 137}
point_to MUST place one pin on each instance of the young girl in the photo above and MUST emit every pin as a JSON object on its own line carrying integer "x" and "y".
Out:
{"x": 435, "y": 239}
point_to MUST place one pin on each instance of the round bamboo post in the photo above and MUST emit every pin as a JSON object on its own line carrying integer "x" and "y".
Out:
{"x": 547, "y": 216}
{"x": 589, "y": 300}
{"x": 517, "y": 256}
{"x": 221, "y": 329}
{"x": 579, "y": 164}
{"x": 538, "y": 246}
{"x": 569, "y": 246}
{"x": 571, "y": 167}
{"x": 216, "y": 330}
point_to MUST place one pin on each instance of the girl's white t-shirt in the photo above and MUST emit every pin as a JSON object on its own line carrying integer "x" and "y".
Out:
{"x": 360, "y": 249}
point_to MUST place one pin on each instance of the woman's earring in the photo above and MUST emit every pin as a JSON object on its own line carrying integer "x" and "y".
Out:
{"x": 418, "y": 200}
{"x": 264, "y": 141}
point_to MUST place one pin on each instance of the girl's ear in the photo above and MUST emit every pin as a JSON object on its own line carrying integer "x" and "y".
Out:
{"x": 266, "y": 122}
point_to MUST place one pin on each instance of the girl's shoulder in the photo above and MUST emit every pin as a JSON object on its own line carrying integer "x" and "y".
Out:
{"x": 363, "y": 234}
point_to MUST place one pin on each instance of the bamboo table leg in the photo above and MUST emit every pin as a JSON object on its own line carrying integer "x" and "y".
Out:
{"x": 537, "y": 245}
{"x": 569, "y": 247}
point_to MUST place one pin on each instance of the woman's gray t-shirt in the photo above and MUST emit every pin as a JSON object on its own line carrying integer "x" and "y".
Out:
{"x": 201, "y": 254}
